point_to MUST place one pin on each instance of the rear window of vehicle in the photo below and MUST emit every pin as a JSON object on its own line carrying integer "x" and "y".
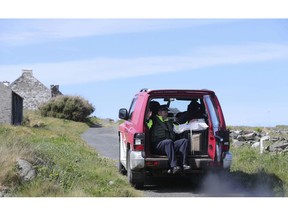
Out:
{"x": 179, "y": 105}
{"x": 213, "y": 112}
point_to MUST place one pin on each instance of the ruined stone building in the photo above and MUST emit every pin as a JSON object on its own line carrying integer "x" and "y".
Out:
{"x": 11, "y": 106}
{"x": 32, "y": 90}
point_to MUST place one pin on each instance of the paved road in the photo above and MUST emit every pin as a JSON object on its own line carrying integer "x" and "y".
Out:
{"x": 105, "y": 141}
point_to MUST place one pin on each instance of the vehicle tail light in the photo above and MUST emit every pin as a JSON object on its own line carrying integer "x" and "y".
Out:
{"x": 152, "y": 163}
{"x": 139, "y": 141}
{"x": 211, "y": 145}
{"x": 225, "y": 147}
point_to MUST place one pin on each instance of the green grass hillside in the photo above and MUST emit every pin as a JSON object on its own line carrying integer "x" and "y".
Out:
{"x": 65, "y": 165}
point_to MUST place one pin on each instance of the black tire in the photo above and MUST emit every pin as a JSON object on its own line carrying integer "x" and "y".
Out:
{"x": 136, "y": 183}
{"x": 122, "y": 169}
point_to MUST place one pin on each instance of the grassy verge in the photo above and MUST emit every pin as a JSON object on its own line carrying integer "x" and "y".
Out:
{"x": 265, "y": 171}
{"x": 65, "y": 165}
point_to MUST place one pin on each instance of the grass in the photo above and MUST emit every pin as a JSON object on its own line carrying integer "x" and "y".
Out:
{"x": 268, "y": 170}
{"x": 66, "y": 166}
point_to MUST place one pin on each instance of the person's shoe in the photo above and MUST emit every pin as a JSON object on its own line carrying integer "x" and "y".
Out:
{"x": 176, "y": 169}
{"x": 186, "y": 167}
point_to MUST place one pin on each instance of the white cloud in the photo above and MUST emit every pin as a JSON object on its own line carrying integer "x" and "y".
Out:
{"x": 100, "y": 69}
{"x": 17, "y": 32}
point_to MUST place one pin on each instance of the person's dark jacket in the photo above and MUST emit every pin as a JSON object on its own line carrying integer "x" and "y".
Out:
{"x": 160, "y": 129}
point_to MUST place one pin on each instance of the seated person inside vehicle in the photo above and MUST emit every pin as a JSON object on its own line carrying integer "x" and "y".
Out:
{"x": 164, "y": 142}
{"x": 194, "y": 111}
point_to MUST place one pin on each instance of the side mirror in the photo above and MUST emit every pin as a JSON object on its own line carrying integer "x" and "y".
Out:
{"x": 123, "y": 114}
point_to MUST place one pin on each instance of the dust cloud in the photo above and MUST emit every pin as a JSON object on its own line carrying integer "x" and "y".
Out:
{"x": 240, "y": 184}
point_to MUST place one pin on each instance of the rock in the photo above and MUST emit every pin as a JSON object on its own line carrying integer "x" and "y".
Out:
{"x": 256, "y": 139}
{"x": 234, "y": 134}
{"x": 255, "y": 145}
{"x": 240, "y": 138}
{"x": 238, "y": 143}
{"x": 250, "y": 136}
{"x": 3, "y": 191}
{"x": 278, "y": 146}
{"x": 26, "y": 171}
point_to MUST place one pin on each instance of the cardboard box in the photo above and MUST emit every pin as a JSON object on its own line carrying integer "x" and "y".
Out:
{"x": 195, "y": 142}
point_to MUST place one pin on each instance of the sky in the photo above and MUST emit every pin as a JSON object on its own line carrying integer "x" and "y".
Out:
{"x": 107, "y": 61}
{"x": 106, "y": 52}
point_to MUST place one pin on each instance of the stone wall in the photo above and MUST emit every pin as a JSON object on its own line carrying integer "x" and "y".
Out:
{"x": 33, "y": 91}
{"x": 5, "y": 104}
{"x": 55, "y": 90}
{"x": 273, "y": 140}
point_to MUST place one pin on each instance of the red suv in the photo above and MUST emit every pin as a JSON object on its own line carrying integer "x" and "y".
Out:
{"x": 207, "y": 135}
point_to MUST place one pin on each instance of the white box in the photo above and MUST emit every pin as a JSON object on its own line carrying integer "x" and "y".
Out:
{"x": 195, "y": 142}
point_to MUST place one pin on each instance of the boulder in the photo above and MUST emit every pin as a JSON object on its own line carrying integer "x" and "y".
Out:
{"x": 26, "y": 171}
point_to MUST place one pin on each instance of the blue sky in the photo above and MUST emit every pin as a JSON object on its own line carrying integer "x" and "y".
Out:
{"x": 107, "y": 61}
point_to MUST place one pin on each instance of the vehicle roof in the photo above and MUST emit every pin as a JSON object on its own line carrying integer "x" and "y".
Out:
{"x": 177, "y": 91}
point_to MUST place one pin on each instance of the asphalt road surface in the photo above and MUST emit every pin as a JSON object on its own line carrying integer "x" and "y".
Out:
{"x": 105, "y": 142}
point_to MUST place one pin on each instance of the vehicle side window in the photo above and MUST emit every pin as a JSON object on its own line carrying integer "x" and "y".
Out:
{"x": 213, "y": 113}
{"x": 132, "y": 107}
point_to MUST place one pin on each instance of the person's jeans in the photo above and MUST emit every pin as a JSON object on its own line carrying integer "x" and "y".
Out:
{"x": 171, "y": 149}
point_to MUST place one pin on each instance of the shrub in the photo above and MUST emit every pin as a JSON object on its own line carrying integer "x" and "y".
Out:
{"x": 73, "y": 108}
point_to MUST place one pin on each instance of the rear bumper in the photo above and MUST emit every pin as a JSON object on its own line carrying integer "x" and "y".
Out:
{"x": 162, "y": 162}
{"x": 138, "y": 162}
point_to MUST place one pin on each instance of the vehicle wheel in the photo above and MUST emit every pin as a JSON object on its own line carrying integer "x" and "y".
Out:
{"x": 136, "y": 183}
{"x": 122, "y": 169}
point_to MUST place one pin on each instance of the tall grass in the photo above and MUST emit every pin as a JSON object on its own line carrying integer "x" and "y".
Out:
{"x": 254, "y": 169}
{"x": 65, "y": 165}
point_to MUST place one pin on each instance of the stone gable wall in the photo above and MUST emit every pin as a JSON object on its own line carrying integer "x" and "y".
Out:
{"x": 31, "y": 90}
{"x": 5, "y": 104}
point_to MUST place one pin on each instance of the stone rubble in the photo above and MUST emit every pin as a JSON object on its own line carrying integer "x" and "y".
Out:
{"x": 276, "y": 142}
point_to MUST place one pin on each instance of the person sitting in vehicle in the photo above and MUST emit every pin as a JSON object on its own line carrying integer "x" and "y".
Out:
{"x": 163, "y": 140}
{"x": 193, "y": 112}
{"x": 153, "y": 106}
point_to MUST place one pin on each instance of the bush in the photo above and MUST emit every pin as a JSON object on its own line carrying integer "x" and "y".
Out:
{"x": 67, "y": 107}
